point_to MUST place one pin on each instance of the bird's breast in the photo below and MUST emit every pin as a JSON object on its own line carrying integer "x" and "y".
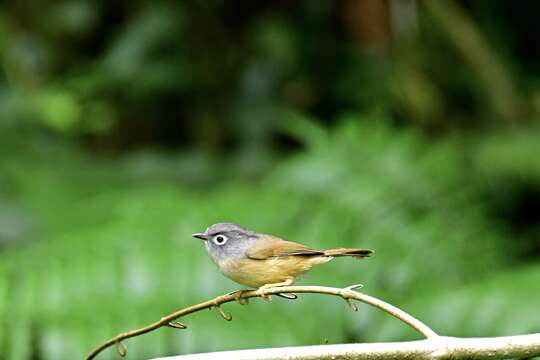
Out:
{"x": 255, "y": 273}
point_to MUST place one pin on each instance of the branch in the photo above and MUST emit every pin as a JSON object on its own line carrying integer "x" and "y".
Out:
{"x": 347, "y": 294}
{"x": 519, "y": 347}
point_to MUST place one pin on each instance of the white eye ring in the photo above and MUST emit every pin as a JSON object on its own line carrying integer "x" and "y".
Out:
{"x": 220, "y": 239}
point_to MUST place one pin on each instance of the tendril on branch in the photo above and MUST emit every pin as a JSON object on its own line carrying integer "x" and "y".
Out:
{"x": 347, "y": 294}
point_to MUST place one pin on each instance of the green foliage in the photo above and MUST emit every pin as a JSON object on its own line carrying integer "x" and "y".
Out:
{"x": 511, "y": 154}
{"x": 93, "y": 68}
{"x": 498, "y": 305}
{"x": 127, "y": 126}
{"x": 111, "y": 247}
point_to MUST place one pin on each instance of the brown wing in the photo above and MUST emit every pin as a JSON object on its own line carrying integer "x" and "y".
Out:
{"x": 270, "y": 246}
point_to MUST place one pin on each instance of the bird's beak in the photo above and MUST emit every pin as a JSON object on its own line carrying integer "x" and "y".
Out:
{"x": 201, "y": 236}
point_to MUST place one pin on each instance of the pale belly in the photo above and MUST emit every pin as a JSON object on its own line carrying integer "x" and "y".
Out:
{"x": 256, "y": 273}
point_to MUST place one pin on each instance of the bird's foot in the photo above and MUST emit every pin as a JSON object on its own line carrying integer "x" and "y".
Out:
{"x": 263, "y": 294}
{"x": 238, "y": 296}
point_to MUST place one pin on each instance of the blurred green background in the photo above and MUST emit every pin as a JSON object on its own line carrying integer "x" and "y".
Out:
{"x": 410, "y": 127}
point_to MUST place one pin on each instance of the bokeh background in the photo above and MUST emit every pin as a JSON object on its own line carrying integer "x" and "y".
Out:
{"x": 410, "y": 127}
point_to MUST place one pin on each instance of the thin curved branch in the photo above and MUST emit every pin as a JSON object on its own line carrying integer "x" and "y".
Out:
{"x": 346, "y": 293}
{"x": 442, "y": 347}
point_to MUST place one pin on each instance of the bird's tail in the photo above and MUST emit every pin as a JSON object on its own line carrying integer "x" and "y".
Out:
{"x": 355, "y": 253}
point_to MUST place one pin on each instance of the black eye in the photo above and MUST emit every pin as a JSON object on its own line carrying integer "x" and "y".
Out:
{"x": 219, "y": 239}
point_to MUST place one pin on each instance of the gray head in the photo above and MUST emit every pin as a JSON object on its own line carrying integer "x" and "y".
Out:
{"x": 224, "y": 241}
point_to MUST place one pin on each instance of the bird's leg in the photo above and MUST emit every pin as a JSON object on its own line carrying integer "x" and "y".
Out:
{"x": 262, "y": 289}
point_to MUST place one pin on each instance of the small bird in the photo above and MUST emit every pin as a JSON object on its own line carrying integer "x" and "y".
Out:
{"x": 263, "y": 261}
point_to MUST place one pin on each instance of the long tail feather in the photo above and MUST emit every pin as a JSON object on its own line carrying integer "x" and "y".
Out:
{"x": 355, "y": 253}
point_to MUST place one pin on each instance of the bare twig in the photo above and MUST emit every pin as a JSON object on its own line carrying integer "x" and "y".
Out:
{"x": 441, "y": 347}
{"x": 348, "y": 294}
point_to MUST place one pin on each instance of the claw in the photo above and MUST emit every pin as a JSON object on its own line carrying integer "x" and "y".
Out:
{"x": 238, "y": 297}
{"x": 264, "y": 295}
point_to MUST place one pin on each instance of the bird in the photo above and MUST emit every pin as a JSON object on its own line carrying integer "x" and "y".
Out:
{"x": 264, "y": 261}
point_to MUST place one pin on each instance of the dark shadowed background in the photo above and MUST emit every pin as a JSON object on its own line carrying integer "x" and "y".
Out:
{"x": 410, "y": 127}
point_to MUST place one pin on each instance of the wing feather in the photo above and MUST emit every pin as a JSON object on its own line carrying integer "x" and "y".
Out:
{"x": 270, "y": 247}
